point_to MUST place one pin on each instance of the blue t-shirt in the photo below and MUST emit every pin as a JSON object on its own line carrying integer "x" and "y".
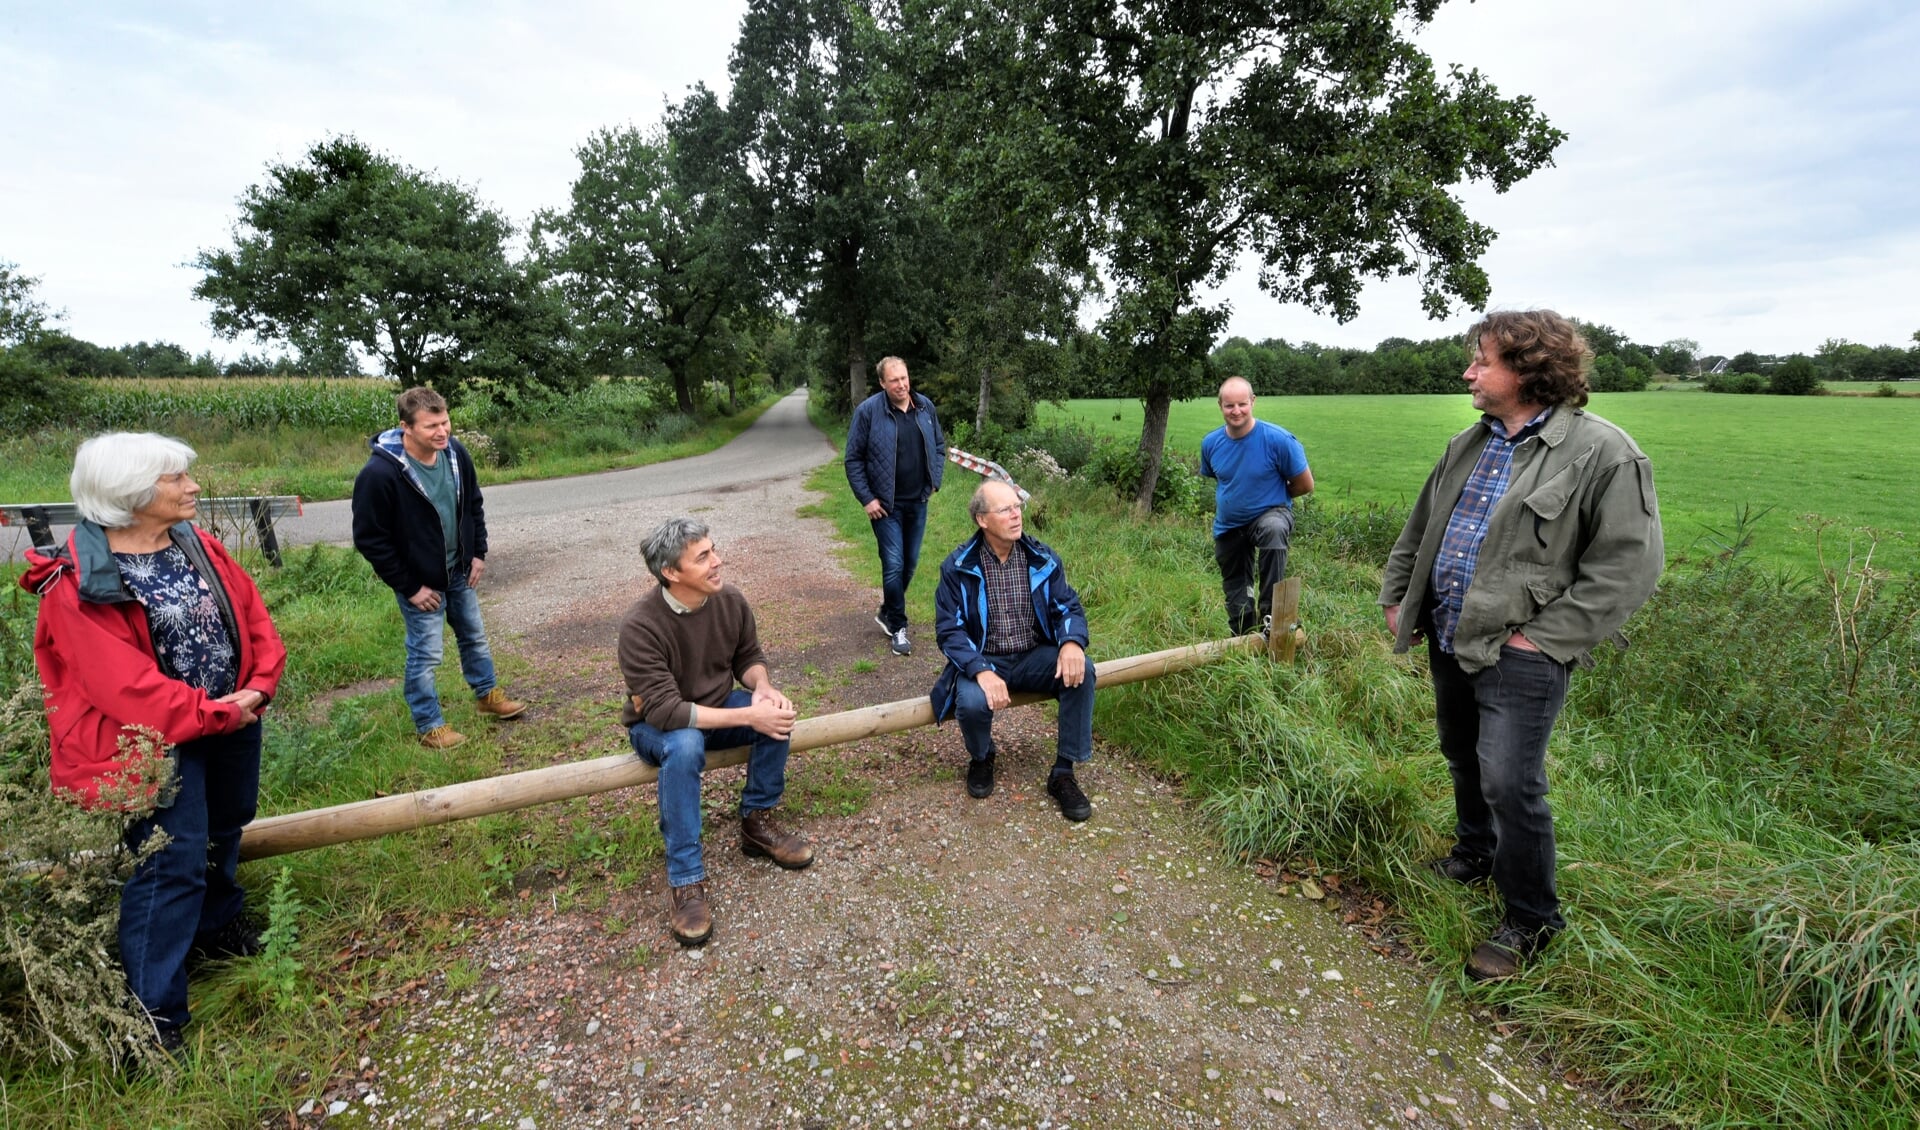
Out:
{"x": 1253, "y": 472}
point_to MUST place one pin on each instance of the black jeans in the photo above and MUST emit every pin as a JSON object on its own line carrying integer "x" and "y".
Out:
{"x": 1234, "y": 551}
{"x": 1494, "y": 726}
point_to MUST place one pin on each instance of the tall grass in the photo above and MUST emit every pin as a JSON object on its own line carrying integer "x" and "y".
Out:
{"x": 1735, "y": 798}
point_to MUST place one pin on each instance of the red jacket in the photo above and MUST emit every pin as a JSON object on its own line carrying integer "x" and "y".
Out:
{"x": 96, "y": 657}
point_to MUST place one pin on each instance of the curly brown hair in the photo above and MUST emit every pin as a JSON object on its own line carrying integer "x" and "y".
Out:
{"x": 1546, "y": 351}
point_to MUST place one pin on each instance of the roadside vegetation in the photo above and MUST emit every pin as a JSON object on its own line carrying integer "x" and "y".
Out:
{"x": 291, "y": 435}
{"x": 1740, "y": 850}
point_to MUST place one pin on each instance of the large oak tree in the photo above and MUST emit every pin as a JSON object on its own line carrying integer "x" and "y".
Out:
{"x": 1314, "y": 135}
{"x": 349, "y": 245}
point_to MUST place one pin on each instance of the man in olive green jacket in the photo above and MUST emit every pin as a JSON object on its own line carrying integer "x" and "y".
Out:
{"x": 1535, "y": 537}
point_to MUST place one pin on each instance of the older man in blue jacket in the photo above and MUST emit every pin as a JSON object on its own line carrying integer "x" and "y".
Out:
{"x": 1008, "y": 621}
{"x": 896, "y": 453}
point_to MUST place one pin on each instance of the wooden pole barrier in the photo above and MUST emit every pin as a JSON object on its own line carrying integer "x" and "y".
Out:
{"x": 366, "y": 819}
{"x": 1281, "y": 634}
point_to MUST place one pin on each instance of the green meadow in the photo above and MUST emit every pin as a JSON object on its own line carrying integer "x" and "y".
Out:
{"x": 1851, "y": 462}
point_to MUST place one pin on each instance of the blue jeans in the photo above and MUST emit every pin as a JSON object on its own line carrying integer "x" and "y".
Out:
{"x": 459, "y": 606}
{"x": 1233, "y": 551}
{"x": 1493, "y": 729}
{"x": 898, "y": 536}
{"x": 187, "y": 890}
{"x": 681, "y": 757}
{"x": 1030, "y": 670}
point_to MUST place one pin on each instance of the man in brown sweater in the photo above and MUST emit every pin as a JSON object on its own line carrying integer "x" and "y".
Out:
{"x": 683, "y": 647}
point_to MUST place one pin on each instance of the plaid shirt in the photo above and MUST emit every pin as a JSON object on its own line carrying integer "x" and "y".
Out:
{"x": 1467, "y": 528}
{"x": 1010, "y": 626}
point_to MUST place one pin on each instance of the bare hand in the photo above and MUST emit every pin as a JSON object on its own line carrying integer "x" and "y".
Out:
{"x": 1071, "y": 665}
{"x": 995, "y": 688}
{"x": 875, "y": 511}
{"x": 1520, "y": 640}
{"x": 770, "y": 718}
{"x": 249, "y": 701}
{"x": 766, "y": 693}
{"x": 473, "y": 574}
{"x": 1392, "y": 612}
{"x": 426, "y": 600}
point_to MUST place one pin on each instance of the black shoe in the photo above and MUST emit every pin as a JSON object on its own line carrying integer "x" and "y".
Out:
{"x": 240, "y": 937}
{"x": 1502, "y": 955}
{"x": 1073, "y": 803}
{"x": 980, "y": 777}
{"x": 171, "y": 1041}
{"x": 1461, "y": 869}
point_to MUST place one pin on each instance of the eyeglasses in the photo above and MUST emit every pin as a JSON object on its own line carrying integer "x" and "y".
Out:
{"x": 1007, "y": 511}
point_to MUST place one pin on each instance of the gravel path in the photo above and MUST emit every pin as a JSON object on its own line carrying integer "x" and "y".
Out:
{"x": 946, "y": 962}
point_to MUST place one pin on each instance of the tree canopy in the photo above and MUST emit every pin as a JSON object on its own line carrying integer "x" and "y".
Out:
{"x": 656, "y": 252}
{"x": 1314, "y": 136}
{"x": 348, "y": 245}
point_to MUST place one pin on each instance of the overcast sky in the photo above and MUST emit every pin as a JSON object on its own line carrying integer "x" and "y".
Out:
{"x": 1741, "y": 172}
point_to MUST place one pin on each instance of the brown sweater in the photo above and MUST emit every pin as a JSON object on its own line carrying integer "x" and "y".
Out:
{"x": 673, "y": 660}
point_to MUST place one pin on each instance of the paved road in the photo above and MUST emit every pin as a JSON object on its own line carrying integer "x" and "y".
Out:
{"x": 781, "y": 445}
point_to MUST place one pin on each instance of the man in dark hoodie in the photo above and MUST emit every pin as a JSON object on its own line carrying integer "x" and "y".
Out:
{"x": 419, "y": 521}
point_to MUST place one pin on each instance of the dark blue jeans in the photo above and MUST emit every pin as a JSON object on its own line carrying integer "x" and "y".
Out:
{"x": 681, "y": 757}
{"x": 1494, "y": 726}
{"x": 898, "y": 536}
{"x": 1030, "y": 670}
{"x": 187, "y": 890}
{"x": 1269, "y": 534}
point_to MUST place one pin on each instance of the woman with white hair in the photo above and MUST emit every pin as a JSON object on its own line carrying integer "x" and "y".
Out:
{"x": 147, "y": 622}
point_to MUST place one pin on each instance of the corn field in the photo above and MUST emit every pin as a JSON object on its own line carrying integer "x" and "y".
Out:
{"x": 362, "y": 405}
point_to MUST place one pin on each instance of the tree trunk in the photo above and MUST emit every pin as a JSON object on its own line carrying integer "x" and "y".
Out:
{"x": 856, "y": 368}
{"x": 682, "y": 393}
{"x": 1153, "y": 443}
{"x": 986, "y": 399}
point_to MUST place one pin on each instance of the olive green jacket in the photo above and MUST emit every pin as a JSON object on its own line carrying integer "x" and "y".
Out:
{"x": 1572, "y": 549}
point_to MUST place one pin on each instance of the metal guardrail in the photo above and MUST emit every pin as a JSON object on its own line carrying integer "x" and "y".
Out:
{"x": 39, "y": 518}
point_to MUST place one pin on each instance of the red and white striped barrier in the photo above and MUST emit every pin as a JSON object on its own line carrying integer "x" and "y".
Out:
{"x": 985, "y": 468}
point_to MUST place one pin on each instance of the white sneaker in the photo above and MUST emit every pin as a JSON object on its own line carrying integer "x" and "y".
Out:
{"x": 901, "y": 645}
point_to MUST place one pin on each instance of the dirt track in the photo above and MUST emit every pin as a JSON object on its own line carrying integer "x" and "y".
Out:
{"x": 946, "y": 961}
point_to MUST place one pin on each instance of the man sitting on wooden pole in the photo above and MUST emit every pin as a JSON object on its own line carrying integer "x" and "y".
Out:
{"x": 683, "y": 647}
{"x": 1009, "y": 621}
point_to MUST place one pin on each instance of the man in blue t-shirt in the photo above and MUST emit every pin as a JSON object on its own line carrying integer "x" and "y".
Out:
{"x": 1261, "y": 468}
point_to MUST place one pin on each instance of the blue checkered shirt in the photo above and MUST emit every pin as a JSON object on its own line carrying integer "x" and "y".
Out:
{"x": 1467, "y": 528}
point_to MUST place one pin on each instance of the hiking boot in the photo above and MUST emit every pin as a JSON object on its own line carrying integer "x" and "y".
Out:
{"x": 1073, "y": 803}
{"x": 240, "y": 937}
{"x": 1461, "y": 869}
{"x": 496, "y": 703}
{"x": 691, "y": 920}
{"x": 759, "y": 835}
{"x": 1502, "y": 955}
{"x": 442, "y": 736}
{"x": 901, "y": 644}
{"x": 980, "y": 777}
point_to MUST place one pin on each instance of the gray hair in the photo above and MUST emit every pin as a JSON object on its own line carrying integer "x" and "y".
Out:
{"x": 977, "y": 505}
{"x": 117, "y": 473}
{"x": 663, "y": 547}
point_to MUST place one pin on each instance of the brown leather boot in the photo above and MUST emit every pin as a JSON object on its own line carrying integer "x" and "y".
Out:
{"x": 496, "y": 703}
{"x": 691, "y": 920}
{"x": 441, "y": 737}
{"x": 759, "y": 835}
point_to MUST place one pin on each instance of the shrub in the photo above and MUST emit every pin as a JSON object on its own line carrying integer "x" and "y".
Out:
{"x": 63, "y": 995}
{"x": 1741, "y": 383}
{"x": 1178, "y": 490}
{"x": 1794, "y": 377}
{"x": 1886, "y": 389}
